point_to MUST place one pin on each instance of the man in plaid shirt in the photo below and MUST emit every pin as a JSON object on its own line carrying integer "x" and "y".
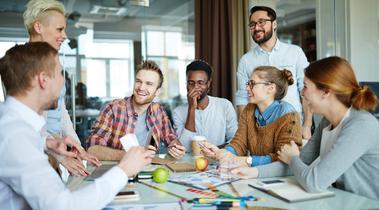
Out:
{"x": 136, "y": 114}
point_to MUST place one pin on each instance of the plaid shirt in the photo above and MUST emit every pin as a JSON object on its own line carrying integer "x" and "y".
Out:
{"x": 118, "y": 118}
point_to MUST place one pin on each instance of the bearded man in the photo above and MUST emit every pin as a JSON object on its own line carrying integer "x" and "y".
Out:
{"x": 271, "y": 52}
{"x": 212, "y": 117}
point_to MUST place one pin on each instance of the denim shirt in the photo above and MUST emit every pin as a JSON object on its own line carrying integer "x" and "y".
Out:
{"x": 274, "y": 111}
{"x": 54, "y": 117}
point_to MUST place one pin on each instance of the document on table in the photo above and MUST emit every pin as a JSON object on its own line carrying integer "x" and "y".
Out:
{"x": 201, "y": 180}
{"x": 288, "y": 190}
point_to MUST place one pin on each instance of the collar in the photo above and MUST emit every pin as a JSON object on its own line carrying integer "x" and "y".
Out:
{"x": 268, "y": 112}
{"x": 130, "y": 108}
{"x": 277, "y": 46}
{"x": 28, "y": 115}
{"x": 209, "y": 103}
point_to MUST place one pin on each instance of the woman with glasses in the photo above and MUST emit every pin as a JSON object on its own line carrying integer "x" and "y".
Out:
{"x": 344, "y": 151}
{"x": 265, "y": 125}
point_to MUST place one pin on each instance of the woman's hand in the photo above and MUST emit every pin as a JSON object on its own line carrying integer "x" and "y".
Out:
{"x": 288, "y": 151}
{"x": 74, "y": 166}
{"x": 210, "y": 150}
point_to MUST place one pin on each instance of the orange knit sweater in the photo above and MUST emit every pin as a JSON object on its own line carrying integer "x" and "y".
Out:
{"x": 251, "y": 139}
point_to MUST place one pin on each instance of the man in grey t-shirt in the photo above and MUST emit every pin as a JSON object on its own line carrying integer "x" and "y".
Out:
{"x": 212, "y": 117}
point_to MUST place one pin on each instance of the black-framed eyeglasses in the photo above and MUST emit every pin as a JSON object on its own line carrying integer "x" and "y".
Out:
{"x": 260, "y": 23}
{"x": 199, "y": 82}
{"x": 252, "y": 83}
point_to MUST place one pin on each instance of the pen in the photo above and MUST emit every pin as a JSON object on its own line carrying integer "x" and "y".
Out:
{"x": 215, "y": 200}
{"x": 222, "y": 204}
{"x": 231, "y": 204}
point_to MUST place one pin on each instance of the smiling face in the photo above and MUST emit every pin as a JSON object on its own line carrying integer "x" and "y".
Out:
{"x": 260, "y": 93}
{"x": 313, "y": 96}
{"x": 262, "y": 34}
{"x": 146, "y": 87}
{"x": 198, "y": 80}
{"x": 51, "y": 29}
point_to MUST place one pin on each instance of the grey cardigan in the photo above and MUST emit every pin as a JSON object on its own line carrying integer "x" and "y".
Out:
{"x": 353, "y": 159}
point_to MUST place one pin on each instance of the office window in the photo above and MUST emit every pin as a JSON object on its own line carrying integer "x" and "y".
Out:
{"x": 169, "y": 48}
{"x": 107, "y": 68}
{"x": 121, "y": 83}
{"x": 96, "y": 72}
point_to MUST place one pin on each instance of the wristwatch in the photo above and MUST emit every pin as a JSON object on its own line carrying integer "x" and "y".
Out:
{"x": 249, "y": 160}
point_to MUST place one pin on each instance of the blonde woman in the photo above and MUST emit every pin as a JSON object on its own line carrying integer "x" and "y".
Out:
{"x": 266, "y": 123}
{"x": 45, "y": 21}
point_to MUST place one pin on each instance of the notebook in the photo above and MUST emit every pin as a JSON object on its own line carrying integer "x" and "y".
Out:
{"x": 287, "y": 189}
{"x": 98, "y": 172}
{"x": 181, "y": 167}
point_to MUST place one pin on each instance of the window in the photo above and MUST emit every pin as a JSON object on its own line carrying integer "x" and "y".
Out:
{"x": 167, "y": 46}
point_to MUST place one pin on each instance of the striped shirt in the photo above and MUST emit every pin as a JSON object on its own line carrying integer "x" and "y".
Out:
{"x": 119, "y": 118}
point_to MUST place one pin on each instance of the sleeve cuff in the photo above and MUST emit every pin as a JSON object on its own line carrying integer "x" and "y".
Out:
{"x": 116, "y": 178}
{"x": 231, "y": 150}
{"x": 241, "y": 98}
{"x": 296, "y": 165}
{"x": 261, "y": 160}
{"x": 44, "y": 137}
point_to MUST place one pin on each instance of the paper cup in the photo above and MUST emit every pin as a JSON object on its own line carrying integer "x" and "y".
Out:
{"x": 196, "y": 149}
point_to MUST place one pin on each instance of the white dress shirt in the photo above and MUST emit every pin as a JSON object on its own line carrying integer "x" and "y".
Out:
{"x": 27, "y": 181}
{"x": 217, "y": 122}
{"x": 282, "y": 56}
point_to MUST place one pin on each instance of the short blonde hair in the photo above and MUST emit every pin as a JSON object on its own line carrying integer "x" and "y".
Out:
{"x": 36, "y": 10}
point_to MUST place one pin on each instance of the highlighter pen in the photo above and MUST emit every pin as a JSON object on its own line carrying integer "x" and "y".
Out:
{"x": 231, "y": 203}
{"x": 213, "y": 200}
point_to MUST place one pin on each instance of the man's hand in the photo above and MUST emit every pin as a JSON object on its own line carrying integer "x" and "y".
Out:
{"x": 245, "y": 172}
{"x": 175, "y": 148}
{"x": 59, "y": 146}
{"x": 192, "y": 97}
{"x": 74, "y": 166}
{"x": 152, "y": 148}
{"x": 288, "y": 151}
{"x": 135, "y": 159}
{"x": 83, "y": 155}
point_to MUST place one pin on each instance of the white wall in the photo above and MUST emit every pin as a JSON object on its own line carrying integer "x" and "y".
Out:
{"x": 350, "y": 29}
{"x": 364, "y": 39}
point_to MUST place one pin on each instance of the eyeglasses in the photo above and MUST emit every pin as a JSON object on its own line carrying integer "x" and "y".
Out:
{"x": 260, "y": 23}
{"x": 252, "y": 83}
{"x": 199, "y": 82}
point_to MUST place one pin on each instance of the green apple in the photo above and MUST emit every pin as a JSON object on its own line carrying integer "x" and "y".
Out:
{"x": 201, "y": 164}
{"x": 160, "y": 175}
